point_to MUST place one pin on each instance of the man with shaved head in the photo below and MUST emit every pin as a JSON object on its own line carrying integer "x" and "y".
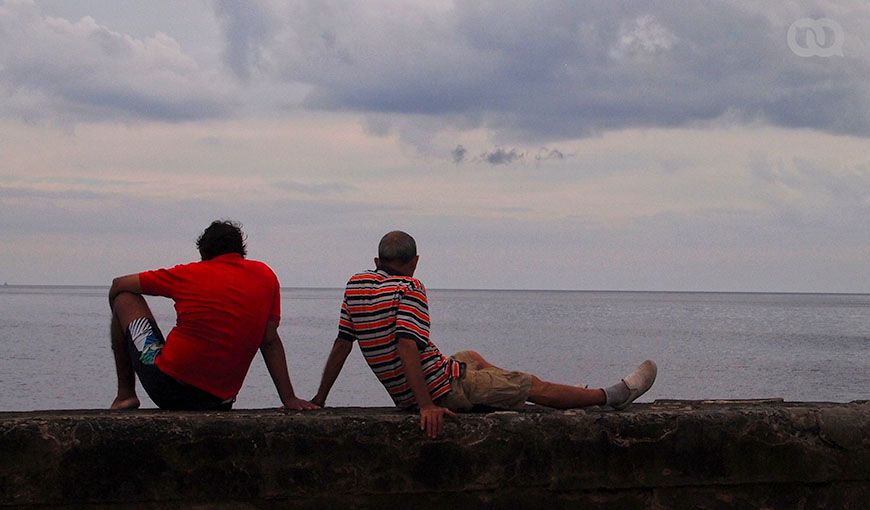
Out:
{"x": 387, "y": 313}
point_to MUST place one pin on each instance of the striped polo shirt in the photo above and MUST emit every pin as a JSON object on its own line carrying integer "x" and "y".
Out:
{"x": 379, "y": 308}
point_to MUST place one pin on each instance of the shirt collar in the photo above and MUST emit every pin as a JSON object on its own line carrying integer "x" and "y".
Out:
{"x": 228, "y": 256}
{"x": 388, "y": 272}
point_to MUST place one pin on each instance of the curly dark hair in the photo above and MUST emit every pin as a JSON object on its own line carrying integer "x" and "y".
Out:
{"x": 220, "y": 238}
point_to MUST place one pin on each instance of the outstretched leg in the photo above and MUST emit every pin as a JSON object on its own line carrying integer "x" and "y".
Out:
{"x": 559, "y": 396}
{"x": 489, "y": 385}
{"x": 125, "y": 308}
{"x": 618, "y": 396}
{"x": 562, "y": 396}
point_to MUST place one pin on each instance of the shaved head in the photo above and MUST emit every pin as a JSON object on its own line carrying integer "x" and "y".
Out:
{"x": 397, "y": 246}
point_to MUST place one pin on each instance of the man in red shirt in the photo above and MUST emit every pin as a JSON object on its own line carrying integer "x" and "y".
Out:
{"x": 227, "y": 308}
{"x": 386, "y": 312}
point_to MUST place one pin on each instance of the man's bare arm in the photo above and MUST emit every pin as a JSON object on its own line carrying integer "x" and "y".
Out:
{"x": 129, "y": 283}
{"x": 334, "y": 363}
{"x": 431, "y": 416}
{"x": 272, "y": 350}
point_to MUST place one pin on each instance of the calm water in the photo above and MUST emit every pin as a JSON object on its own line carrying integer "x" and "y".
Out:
{"x": 54, "y": 348}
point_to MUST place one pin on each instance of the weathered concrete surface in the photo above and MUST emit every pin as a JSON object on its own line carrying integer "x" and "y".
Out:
{"x": 670, "y": 454}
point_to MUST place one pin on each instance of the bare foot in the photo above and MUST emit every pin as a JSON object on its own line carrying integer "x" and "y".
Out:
{"x": 125, "y": 403}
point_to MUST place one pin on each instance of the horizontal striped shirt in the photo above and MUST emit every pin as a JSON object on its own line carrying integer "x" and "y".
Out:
{"x": 377, "y": 310}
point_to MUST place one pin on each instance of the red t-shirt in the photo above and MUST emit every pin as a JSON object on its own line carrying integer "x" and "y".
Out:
{"x": 222, "y": 307}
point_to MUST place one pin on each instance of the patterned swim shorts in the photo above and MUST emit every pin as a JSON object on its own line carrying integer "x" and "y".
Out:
{"x": 147, "y": 339}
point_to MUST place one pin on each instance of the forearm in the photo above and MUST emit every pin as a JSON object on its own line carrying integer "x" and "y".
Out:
{"x": 334, "y": 364}
{"x": 129, "y": 283}
{"x": 276, "y": 363}
{"x": 410, "y": 357}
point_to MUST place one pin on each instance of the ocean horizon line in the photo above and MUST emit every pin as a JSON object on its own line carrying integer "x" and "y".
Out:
{"x": 601, "y": 291}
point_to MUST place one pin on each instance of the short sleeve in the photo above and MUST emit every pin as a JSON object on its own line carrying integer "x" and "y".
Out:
{"x": 412, "y": 316}
{"x": 162, "y": 282}
{"x": 345, "y": 325}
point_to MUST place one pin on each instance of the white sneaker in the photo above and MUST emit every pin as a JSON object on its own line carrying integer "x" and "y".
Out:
{"x": 638, "y": 382}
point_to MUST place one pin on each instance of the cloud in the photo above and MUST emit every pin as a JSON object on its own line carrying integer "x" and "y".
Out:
{"x": 81, "y": 70}
{"x": 557, "y": 70}
{"x": 501, "y": 156}
{"x": 247, "y": 26}
{"x": 545, "y": 154}
{"x": 458, "y": 154}
{"x": 642, "y": 36}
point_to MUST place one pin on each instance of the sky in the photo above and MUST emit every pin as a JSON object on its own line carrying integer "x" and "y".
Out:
{"x": 677, "y": 146}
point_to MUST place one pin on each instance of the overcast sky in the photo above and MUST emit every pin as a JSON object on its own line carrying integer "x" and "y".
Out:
{"x": 545, "y": 145}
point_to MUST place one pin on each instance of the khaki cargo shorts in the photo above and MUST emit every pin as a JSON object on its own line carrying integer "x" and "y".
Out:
{"x": 491, "y": 387}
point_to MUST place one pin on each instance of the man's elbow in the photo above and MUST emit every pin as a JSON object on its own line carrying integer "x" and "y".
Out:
{"x": 270, "y": 342}
{"x": 124, "y": 284}
{"x": 342, "y": 345}
{"x": 115, "y": 289}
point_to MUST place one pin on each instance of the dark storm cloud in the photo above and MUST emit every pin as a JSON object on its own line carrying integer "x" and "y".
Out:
{"x": 561, "y": 69}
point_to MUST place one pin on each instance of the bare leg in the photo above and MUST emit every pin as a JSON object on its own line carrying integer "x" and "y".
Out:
{"x": 561, "y": 396}
{"x": 126, "y": 398}
{"x": 126, "y": 308}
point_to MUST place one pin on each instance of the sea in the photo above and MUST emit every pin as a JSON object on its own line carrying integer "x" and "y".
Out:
{"x": 55, "y": 353}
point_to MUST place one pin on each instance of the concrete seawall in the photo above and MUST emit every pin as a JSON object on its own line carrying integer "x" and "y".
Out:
{"x": 670, "y": 454}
